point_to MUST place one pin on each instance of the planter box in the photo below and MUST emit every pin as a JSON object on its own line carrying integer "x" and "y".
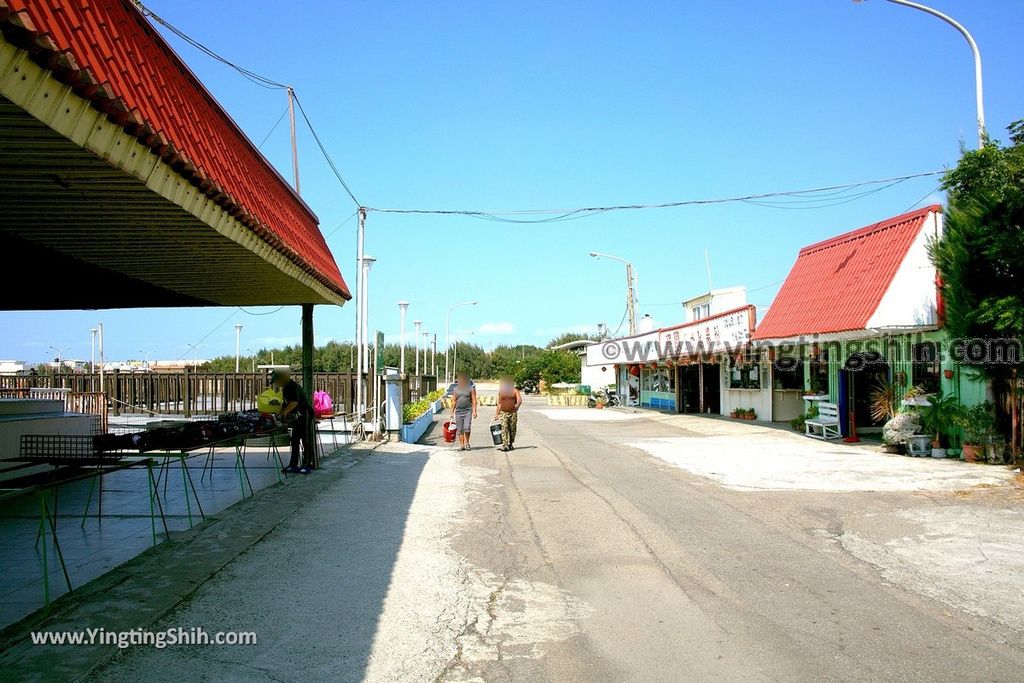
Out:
{"x": 412, "y": 431}
{"x": 568, "y": 400}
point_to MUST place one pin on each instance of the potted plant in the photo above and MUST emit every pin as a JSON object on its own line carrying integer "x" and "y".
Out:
{"x": 937, "y": 418}
{"x": 899, "y": 430}
{"x": 883, "y": 401}
{"x": 977, "y": 422}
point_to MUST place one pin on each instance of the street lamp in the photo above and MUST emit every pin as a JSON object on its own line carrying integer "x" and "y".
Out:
{"x": 447, "y": 335}
{"x": 425, "y": 347}
{"x": 195, "y": 354}
{"x": 433, "y": 357}
{"x": 630, "y": 288}
{"x": 92, "y": 353}
{"x": 403, "y": 306}
{"x": 364, "y": 346}
{"x": 238, "y": 346}
{"x": 417, "y": 323}
{"x": 978, "y": 91}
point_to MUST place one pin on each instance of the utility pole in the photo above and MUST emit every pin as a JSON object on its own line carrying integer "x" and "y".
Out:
{"x": 433, "y": 357}
{"x": 360, "y": 238}
{"x": 295, "y": 148}
{"x": 630, "y": 299}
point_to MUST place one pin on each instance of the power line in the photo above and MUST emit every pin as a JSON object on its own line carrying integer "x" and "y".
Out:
{"x": 271, "y": 132}
{"x": 323, "y": 150}
{"x": 342, "y": 224}
{"x": 256, "y": 78}
{"x": 571, "y": 214}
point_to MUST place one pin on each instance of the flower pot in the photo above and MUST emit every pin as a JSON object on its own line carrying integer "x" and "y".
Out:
{"x": 938, "y": 453}
{"x": 919, "y": 445}
{"x": 953, "y": 452}
{"x": 948, "y": 374}
{"x": 994, "y": 454}
{"x": 972, "y": 452}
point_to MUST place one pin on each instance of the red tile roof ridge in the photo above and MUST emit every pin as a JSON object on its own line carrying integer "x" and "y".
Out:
{"x": 872, "y": 228}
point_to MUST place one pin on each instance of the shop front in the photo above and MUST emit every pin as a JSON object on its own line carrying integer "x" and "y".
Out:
{"x": 678, "y": 369}
{"x": 858, "y": 315}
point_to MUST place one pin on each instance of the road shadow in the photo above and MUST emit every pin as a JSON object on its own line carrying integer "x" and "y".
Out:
{"x": 311, "y": 587}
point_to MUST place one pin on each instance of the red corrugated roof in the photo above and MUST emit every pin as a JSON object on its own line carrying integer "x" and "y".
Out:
{"x": 108, "y": 52}
{"x": 836, "y": 285}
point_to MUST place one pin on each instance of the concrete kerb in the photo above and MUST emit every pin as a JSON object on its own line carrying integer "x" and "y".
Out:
{"x": 143, "y": 590}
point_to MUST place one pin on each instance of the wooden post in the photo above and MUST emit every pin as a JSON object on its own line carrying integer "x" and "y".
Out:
{"x": 117, "y": 391}
{"x": 186, "y": 393}
{"x": 307, "y": 376}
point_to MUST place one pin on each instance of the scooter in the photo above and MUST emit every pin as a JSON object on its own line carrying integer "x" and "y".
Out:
{"x": 608, "y": 398}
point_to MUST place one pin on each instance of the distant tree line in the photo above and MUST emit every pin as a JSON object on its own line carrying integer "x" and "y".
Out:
{"x": 522, "y": 361}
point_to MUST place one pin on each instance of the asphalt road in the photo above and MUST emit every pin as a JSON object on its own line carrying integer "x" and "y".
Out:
{"x": 573, "y": 558}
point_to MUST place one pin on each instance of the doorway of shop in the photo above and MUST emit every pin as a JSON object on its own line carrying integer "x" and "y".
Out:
{"x": 698, "y": 388}
{"x": 862, "y": 373}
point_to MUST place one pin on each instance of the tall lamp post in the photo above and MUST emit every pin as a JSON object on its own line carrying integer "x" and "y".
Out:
{"x": 403, "y": 306}
{"x": 426, "y": 345}
{"x": 978, "y": 89}
{"x": 447, "y": 335}
{"x": 364, "y": 344}
{"x": 238, "y": 347}
{"x": 417, "y": 323}
{"x": 92, "y": 353}
{"x": 630, "y": 288}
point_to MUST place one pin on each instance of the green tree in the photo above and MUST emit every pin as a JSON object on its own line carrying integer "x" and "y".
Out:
{"x": 981, "y": 255}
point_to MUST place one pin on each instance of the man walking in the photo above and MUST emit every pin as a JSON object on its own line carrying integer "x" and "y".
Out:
{"x": 507, "y": 411}
{"x": 298, "y": 412}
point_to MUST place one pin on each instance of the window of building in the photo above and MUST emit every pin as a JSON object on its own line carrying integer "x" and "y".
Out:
{"x": 927, "y": 366}
{"x": 701, "y": 311}
{"x": 789, "y": 374}
{"x": 745, "y": 373}
{"x": 818, "y": 375}
{"x": 660, "y": 379}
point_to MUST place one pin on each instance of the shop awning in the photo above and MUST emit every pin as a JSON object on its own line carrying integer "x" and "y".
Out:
{"x": 123, "y": 183}
{"x": 852, "y": 286}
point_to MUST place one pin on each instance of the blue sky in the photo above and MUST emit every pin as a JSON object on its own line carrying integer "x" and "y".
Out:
{"x": 536, "y": 104}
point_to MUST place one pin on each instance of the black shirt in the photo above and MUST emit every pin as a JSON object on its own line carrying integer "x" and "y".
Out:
{"x": 292, "y": 392}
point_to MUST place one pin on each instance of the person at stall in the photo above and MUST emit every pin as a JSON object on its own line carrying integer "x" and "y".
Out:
{"x": 297, "y": 413}
{"x": 506, "y": 411}
{"x": 463, "y": 409}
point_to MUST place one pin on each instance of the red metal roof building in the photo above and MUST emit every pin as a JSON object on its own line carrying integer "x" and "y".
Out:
{"x": 878, "y": 277}
{"x": 56, "y": 55}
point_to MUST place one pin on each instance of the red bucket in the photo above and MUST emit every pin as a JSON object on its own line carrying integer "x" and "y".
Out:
{"x": 449, "y": 432}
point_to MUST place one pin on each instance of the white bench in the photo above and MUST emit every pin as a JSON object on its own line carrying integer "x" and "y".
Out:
{"x": 826, "y": 425}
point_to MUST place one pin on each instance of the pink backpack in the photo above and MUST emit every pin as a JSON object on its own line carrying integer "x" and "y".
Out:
{"x": 322, "y": 404}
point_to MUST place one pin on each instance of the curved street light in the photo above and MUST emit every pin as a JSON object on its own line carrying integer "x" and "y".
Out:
{"x": 978, "y": 89}
{"x": 630, "y": 288}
